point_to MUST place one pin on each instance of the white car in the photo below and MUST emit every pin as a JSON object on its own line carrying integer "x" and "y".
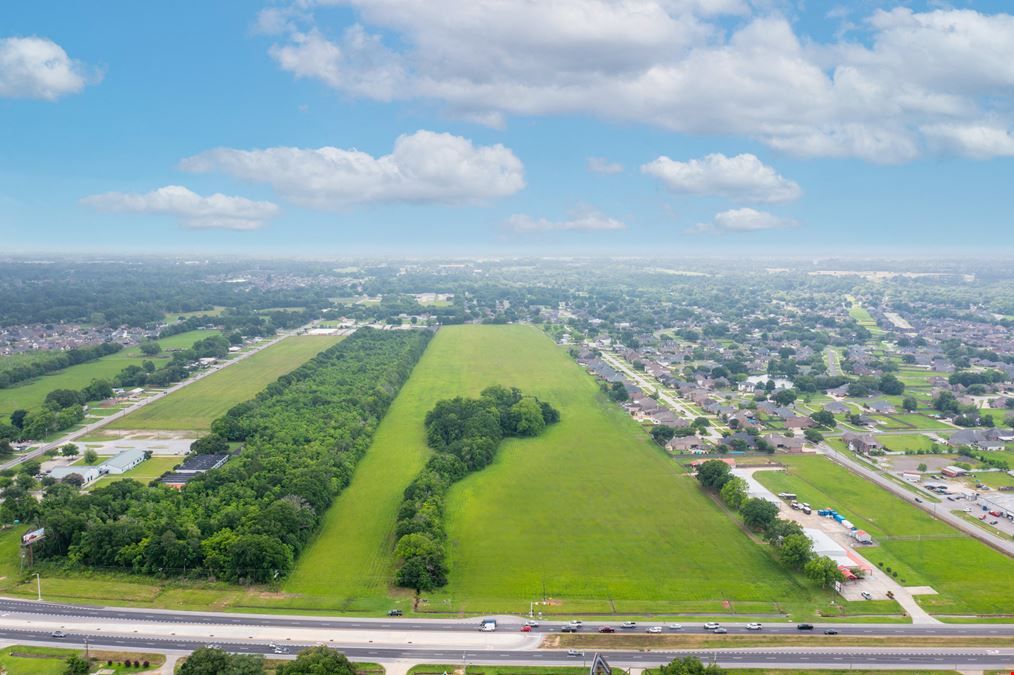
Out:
{"x": 533, "y": 624}
{"x": 712, "y": 625}
{"x": 655, "y": 629}
{"x": 675, "y": 626}
{"x": 628, "y": 624}
{"x": 753, "y": 626}
{"x": 576, "y": 622}
{"x": 574, "y": 652}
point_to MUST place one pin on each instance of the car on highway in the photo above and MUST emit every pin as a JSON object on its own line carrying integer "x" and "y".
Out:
{"x": 533, "y": 624}
{"x": 58, "y": 634}
{"x": 675, "y": 626}
{"x": 574, "y": 652}
{"x": 526, "y": 629}
{"x": 712, "y": 625}
{"x": 830, "y": 631}
{"x": 720, "y": 630}
{"x": 866, "y": 595}
{"x": 280, "y": 650}
{"x": 607, "y": 629}
{"x": 753, "y": 626}
{"x": 805, "y": 626}
{"x": 655, "y": 629}
{"x": 576, "y": 622}
{"x": 568, "y": 629}
{"x": 394, "y": 612}
{"x": 628, "y": 624}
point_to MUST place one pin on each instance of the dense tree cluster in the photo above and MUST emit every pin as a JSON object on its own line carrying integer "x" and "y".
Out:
{"x": 248, "y": 520}
{"x": 21, "y": 367}
{"x": 465, "y": 433}
{"x": 319, "y": 660}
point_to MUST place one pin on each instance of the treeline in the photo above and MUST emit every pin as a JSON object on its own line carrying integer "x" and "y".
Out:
{"x": 787, "y": 537}
{"x": 15, "y": 369}
{"x": 252, "y": 324}
{"x": 146, "y": 374}
{"x": 249, "y": 520}
{"x": 62, "y": 408}
{"x": 465, "y": 434}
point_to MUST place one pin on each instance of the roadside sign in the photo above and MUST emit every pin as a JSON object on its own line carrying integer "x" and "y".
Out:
{"x": 33, "y": 536}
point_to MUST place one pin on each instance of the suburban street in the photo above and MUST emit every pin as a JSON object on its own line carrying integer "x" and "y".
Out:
{"x": 94, "y": 426}
{"x": 943, "y": 512}
{"x": 649, "y": 384}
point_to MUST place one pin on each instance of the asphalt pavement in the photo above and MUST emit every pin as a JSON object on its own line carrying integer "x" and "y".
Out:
{"x": 905, "y": 658}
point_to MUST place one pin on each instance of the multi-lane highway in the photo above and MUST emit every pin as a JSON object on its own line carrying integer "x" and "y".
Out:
{"x": 445, "y": 640}
{"x": 979, "y": 658}
{"x": 70, "y": 613}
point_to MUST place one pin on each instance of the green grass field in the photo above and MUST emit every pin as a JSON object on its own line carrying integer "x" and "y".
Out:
{"x": 591, "y": 514}
{"x": 30, "y": 395}
{"x": 906, "y": 442}
{"x": 968, "y": 575}
{"x": 195, "y": 407}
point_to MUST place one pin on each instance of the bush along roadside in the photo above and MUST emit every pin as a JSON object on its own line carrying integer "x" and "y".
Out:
{"x": 465, "y": 434}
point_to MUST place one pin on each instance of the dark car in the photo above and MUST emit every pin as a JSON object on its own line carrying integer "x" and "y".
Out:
{"x": 568, "y": 629}
{"x": 830, "y": 631}
{"x": 805, "y": 626}
{"x": 394, "y": 612}
{"x": 607, "y": 629}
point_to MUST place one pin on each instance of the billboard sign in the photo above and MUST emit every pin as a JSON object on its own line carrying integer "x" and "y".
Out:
{"x": 33, "y": 536}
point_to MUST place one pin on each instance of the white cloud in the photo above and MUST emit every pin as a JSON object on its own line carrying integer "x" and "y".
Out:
{"x": 34, "y": 67}
{"x": 672, "y": 64}
{"x": 978, "y": 141}
{"x": 742, "y": 220}
{"x": 194, "y": 211}
{"x": 604, "y": 166}
{"x": 423, "y": 167}
{"x": 742, "y": 178}
{"x": 587, "y": 220}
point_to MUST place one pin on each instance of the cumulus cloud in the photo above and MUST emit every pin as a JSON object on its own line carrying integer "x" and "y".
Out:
{"x": 424, "y": 167}
{"x": 35, "y": 67}
{"x": 741, "y": 178}
{"x": 674, "y": 64}
{"x": 216, "y": 211}
{"x": 742, "y": 220}
{"x": 602, "y": 165}
{"x": 978, "y": 141}
{"x": 587, "y": 220}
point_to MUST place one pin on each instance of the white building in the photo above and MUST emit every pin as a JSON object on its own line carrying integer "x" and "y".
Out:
{"x": 123, "y": 462}
{"x": 89, "y": 474}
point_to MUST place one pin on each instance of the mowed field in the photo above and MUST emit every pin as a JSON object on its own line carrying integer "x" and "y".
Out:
{"x": 969, "y": 576}
{"x": 31, "y": 394}
{"x": 197, "y": 405}
{"x": 591, "y": 514}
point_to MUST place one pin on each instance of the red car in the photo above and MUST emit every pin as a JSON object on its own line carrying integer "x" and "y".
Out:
{"x": 526, "y": 629}
{"x": 607, "y": 629}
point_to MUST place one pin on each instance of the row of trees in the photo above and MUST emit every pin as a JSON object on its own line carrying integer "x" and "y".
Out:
{"x": 319, "y": 660}
{"x": 247, "y": 521}
{"x": 21, "y": 367}
{"x": 760, "y": 515}
{"x": 62, "y": 408}
{"x": 465, "y": 433}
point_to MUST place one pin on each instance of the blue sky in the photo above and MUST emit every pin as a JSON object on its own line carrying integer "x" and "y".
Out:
{"x": 717, "y": 125}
